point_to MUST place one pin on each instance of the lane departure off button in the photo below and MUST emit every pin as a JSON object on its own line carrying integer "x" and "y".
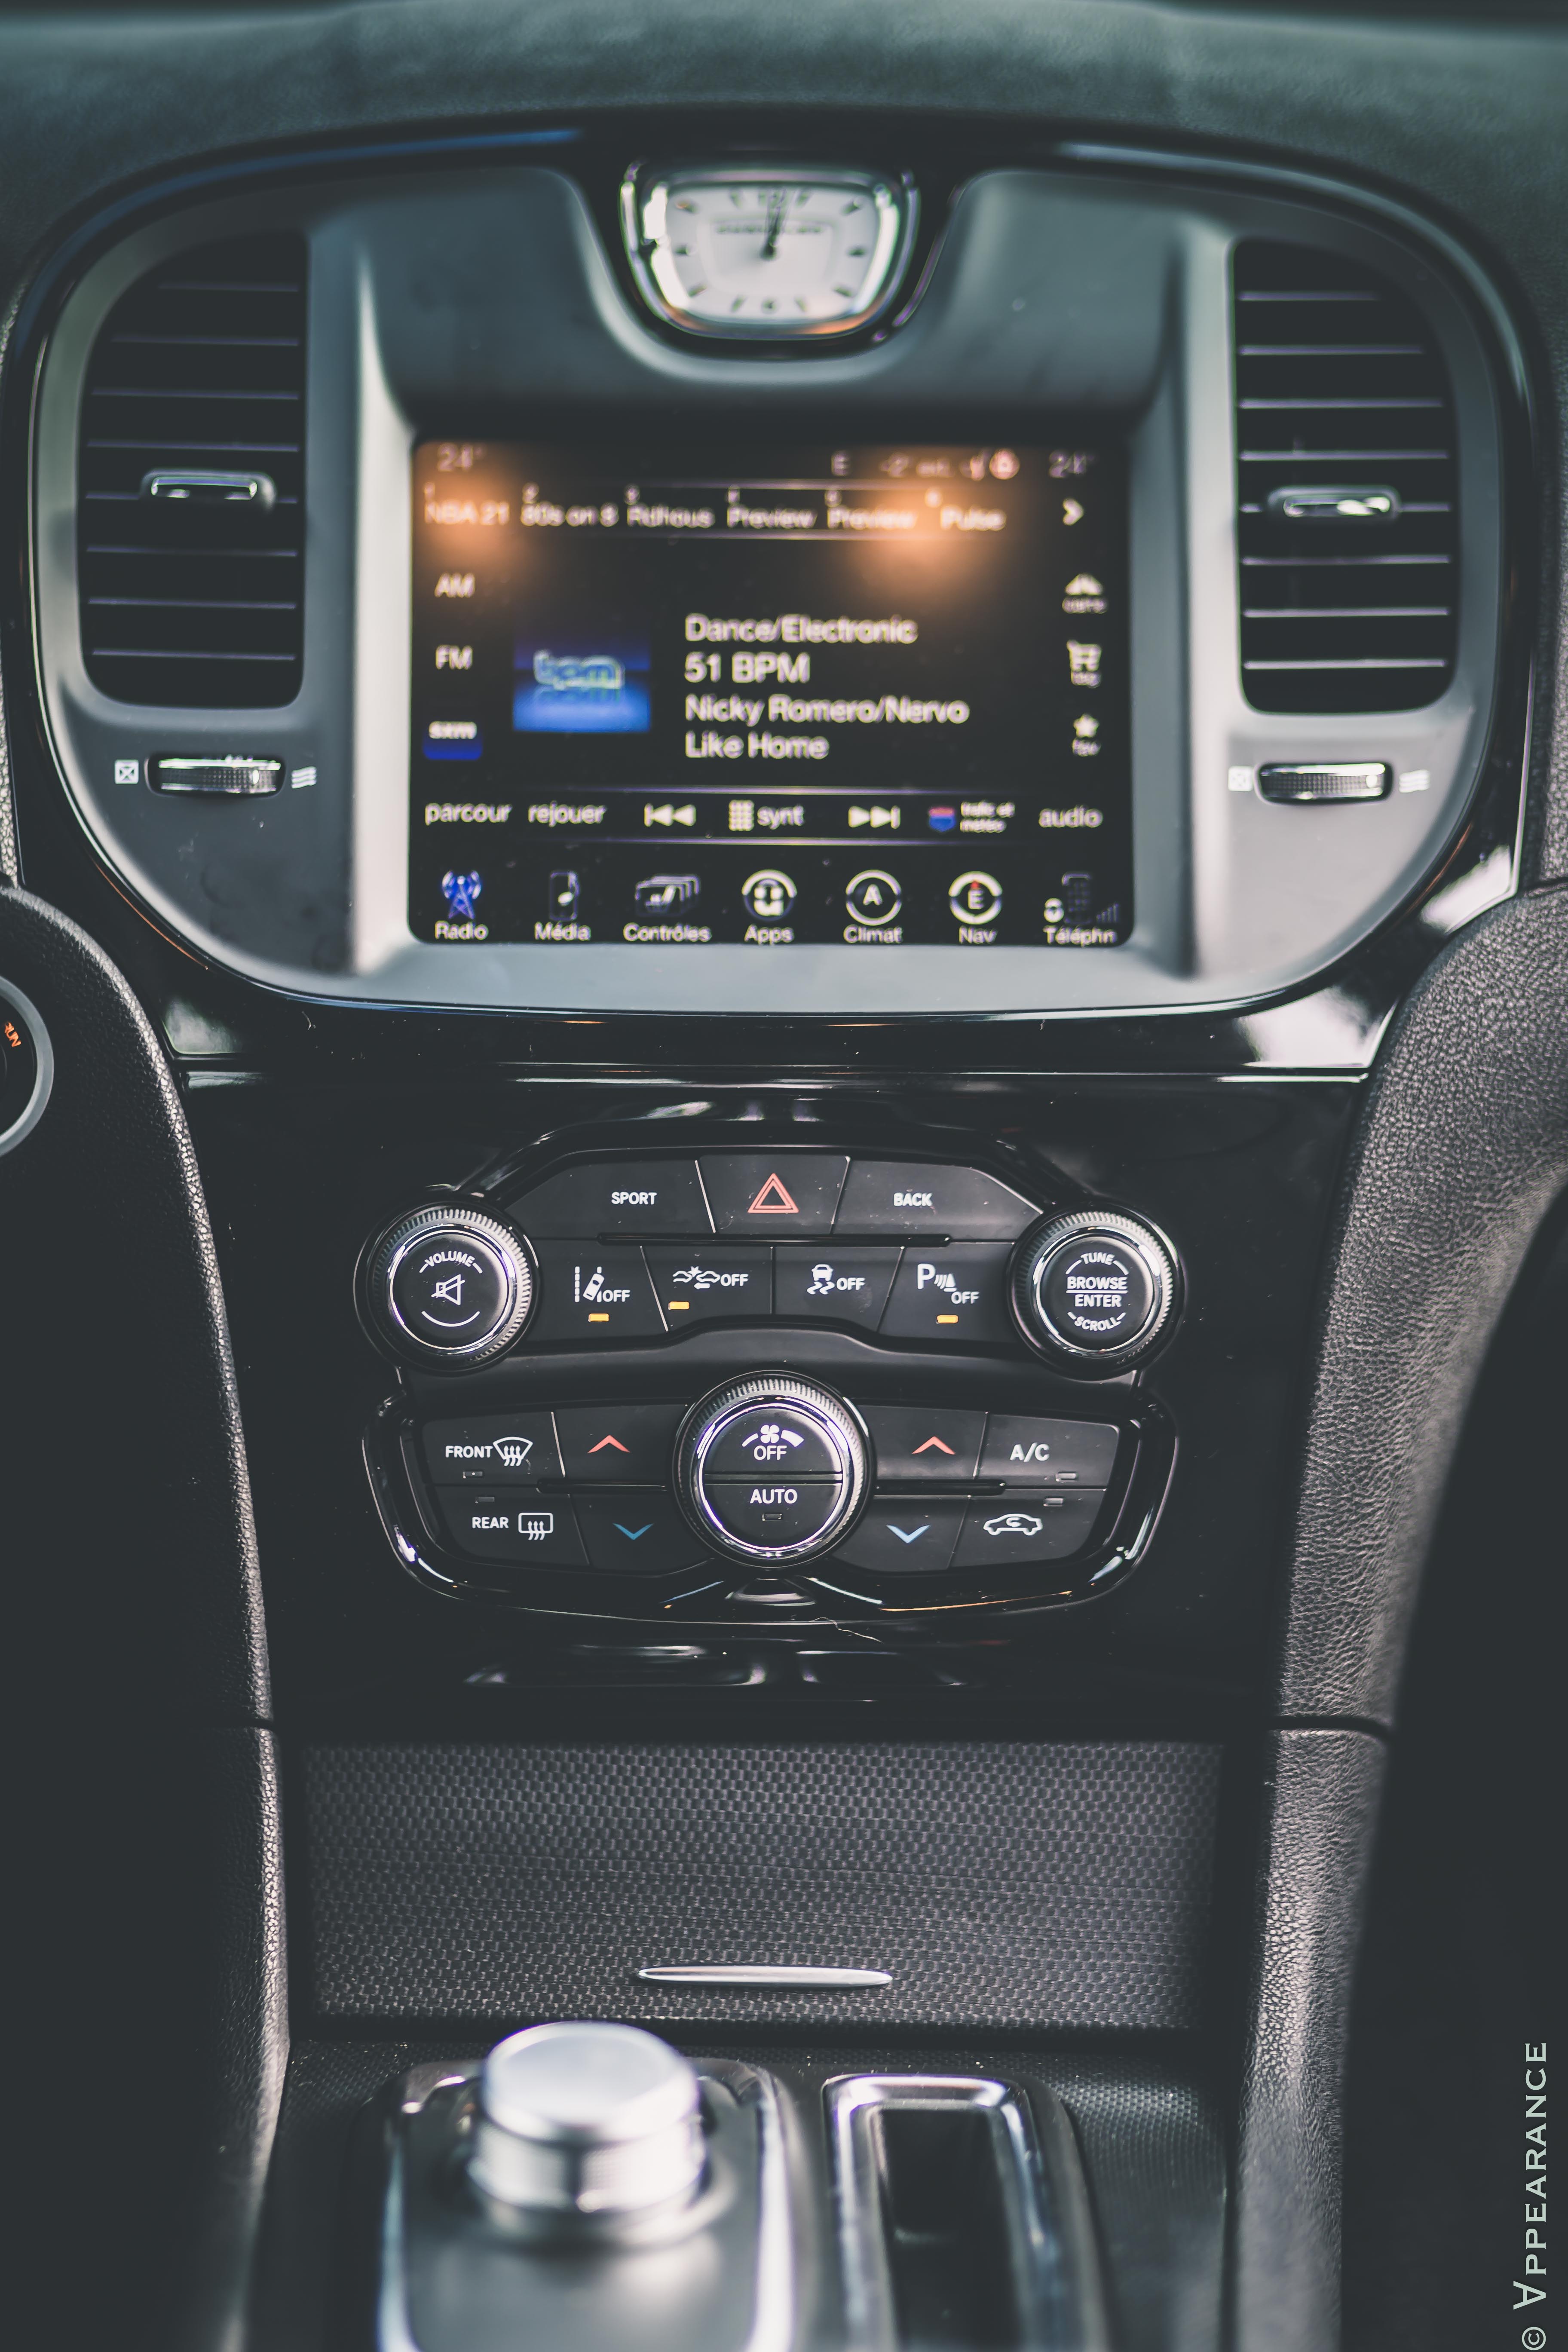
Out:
{"x": 898, "y": 1196}
{"x": 924, "y": 1445}
{"x": 617, "y": 1444}
{"x": 774, "y": 1195}
{"x": 616, "y": 1196}
{"x": 697, "y": 1285}
{"x": 595, "y": 1294}
{"x": 952, "y": 1296}
{"x": 833, "y": 1285}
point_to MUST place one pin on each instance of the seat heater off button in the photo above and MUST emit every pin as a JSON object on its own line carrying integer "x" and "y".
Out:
{"x": 1095, "y": 1289}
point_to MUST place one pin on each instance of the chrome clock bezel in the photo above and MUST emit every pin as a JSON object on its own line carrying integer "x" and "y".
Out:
{"x": 644, "y": 195}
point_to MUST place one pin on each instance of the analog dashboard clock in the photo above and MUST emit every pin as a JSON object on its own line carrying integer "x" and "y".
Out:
{"x": 767, "y": 253}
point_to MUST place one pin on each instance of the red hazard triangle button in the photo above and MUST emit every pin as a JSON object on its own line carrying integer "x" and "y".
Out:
{"x": 782, "y": 1194}
{"x": 774, "y": 1199}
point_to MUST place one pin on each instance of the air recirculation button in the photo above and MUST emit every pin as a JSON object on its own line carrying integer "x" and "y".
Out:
{"x": 772, "y": 1468}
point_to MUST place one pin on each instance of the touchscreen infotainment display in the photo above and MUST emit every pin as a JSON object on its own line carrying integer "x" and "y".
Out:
{"x": 770, "y": 695}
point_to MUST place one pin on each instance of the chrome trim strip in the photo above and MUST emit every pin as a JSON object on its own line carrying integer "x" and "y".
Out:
{"x": 783, "y": 1979}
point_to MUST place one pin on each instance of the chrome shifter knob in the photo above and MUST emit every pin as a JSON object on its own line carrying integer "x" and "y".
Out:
{"x": 587, "y": 2118}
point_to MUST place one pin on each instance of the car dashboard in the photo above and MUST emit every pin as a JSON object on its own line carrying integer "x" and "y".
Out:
{"x": 781, "y": 973}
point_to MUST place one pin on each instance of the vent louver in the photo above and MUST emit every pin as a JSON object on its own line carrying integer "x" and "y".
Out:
{"x": 1340, "y": 387}
{"x": 193, "y": 593}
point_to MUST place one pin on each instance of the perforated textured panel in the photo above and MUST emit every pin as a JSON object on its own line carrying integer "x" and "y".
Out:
{"x": 1001, "y": 1885}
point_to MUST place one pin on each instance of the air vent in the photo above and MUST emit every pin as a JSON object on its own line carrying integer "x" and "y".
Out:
{"x": 1349, "y": 529}
{"x": 191, "y": 517}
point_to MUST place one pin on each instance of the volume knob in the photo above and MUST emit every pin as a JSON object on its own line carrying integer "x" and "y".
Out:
{"x": 447, "y": 1284}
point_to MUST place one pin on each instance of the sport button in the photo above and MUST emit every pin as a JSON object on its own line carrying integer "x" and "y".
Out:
{"x": 615, "y": 1196}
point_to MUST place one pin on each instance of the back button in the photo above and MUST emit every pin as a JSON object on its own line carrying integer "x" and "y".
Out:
{"x": 908, "y": 1196}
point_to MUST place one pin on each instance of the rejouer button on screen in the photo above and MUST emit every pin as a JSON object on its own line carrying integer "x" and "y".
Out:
{"x": 906, "y": 1538}
{"x": 708, "y": 1284}
{"x": 924, "y": 1444}
{"x": 1016, "y": 1530}
{"x": 773, "y": 1194}
{"x": 775, "y": 1442}
{"x": 615, "y": 1196}
{"x": 507, "y": 1527}
{"x": 899, "y": 1196}
{"x": 838, "y": 1286}
{"x": 1049, "y": 1453}
{"x": 514, "y": 1449}
{"x": 595, "y": 1294}
{"x": 636, "y": 1533}
{"x": 617, "y": 1444}
{"x": 954, "y": 1296}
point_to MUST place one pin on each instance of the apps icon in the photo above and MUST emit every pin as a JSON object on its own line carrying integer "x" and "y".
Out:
{"x": 873, "y": 898}
{"x": 975, "y": 897}
{"x": 461, "y": 893}
{"x": 768, "y": 894}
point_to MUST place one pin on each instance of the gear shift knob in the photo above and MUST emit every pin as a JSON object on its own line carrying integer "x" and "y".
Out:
{"x": 587, "y": 2118}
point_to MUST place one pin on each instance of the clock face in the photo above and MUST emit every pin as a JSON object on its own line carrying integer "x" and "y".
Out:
{"x": 806, "y": 253}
